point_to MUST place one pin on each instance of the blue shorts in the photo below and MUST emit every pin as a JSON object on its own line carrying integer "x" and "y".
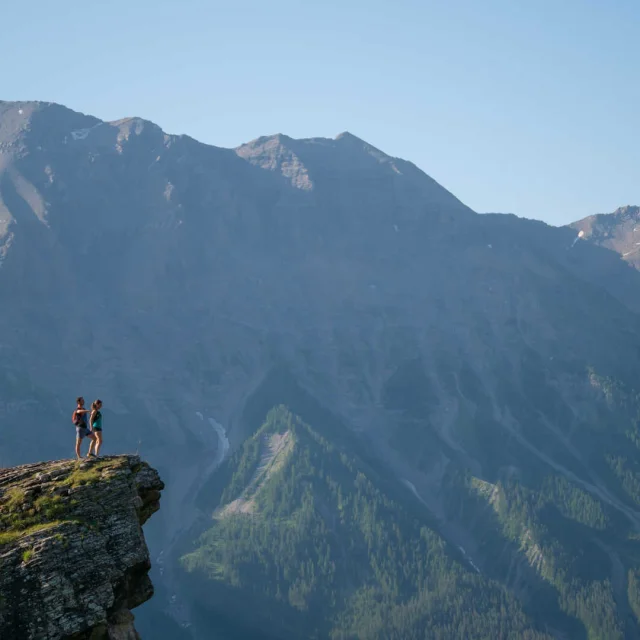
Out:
{"x": 82, "y": 432}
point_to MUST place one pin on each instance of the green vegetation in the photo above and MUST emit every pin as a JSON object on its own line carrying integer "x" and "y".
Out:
{"x": 7, "y": 537}
{"x": 573, "y": 502}
{"x": 628, "y": 472}
{"x": 18, "y": 513}
{"x": 323, "y": 552}
{"x": 633, "y": 591}
{"x": 246, "y": 462}
{"x": 315, "y": 543}
{"x": 14, "y": 498}
{"x": 49, "y": 507}
{"x": 91, "y": 475}
{"x": 27, "y": 554}
{"x": 541, "y": 524}
{"x": 23, "y": 512}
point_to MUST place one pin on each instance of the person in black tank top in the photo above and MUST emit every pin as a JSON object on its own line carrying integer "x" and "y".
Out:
{"x": 82, "y": 430}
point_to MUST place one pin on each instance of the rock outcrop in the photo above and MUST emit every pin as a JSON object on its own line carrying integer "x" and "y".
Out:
{"x": 617, "y": 231}
{"x": 73, "y": 558}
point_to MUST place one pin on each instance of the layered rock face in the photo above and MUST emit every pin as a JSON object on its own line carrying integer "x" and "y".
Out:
{"x": 73, "y": 558}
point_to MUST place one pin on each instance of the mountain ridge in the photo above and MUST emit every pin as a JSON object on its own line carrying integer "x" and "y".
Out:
{"x": 193, "y": 290}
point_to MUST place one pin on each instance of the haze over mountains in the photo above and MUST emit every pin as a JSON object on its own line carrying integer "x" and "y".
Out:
{"x": 465, "y": 384}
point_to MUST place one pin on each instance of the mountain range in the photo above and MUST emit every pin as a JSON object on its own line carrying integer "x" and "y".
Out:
{"x": 375, "y": 410}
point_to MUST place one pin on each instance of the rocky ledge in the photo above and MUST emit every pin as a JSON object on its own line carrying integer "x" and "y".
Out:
{"x": 73, "y": 559}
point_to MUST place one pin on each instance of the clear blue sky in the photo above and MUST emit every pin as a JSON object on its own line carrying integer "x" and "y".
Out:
{"x": 524, "y": 107}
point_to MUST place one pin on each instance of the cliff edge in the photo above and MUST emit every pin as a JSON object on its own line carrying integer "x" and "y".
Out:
{"x": 73, "y": 558}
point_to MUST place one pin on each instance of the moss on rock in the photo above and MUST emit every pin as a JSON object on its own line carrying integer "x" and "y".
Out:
{"x": 50, "y": 514}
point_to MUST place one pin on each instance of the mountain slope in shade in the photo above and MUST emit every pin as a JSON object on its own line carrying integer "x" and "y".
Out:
{"x": 192, "y": 288}
{"x": 619, "y": 231}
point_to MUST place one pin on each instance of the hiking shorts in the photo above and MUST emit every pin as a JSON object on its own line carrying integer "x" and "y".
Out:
{"x": 82, "y": 432}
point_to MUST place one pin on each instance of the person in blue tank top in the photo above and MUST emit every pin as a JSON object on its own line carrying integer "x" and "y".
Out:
{"x": 96, "y": 424}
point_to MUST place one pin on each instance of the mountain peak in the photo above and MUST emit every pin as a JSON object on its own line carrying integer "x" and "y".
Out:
{"x": 603, "y": 223}
{"x": 345, "y": 160}
{"x": 627, "y": 211}
{"x": 271, "y": 140}
{"x": 45, "y": 121}
{"x": 346, "y": 136}
{"x": 619, "y": 231}
{"x": 348, "y": 139}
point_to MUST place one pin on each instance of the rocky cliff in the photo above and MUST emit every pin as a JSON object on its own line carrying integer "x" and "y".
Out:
{"x": 73, "y": 558}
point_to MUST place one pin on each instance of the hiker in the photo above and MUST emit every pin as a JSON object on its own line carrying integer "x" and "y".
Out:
{"x": 82, "y": 429}
{"x": 95, "y": 420}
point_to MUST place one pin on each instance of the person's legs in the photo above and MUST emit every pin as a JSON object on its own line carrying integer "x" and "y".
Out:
{"x": 92, "y": 442}
{"x": 81, "y": 432}
{"x": 98, "y": 442}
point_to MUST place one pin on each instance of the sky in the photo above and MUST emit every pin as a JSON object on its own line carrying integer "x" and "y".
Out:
{"x": 530, "y": 108}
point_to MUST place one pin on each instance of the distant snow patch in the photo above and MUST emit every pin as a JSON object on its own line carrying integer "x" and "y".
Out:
{"x": 81, "y": 134}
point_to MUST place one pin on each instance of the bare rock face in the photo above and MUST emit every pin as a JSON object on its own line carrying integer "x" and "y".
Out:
{"x": 73, "y": 558}
{"x": 618, "y": 231}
